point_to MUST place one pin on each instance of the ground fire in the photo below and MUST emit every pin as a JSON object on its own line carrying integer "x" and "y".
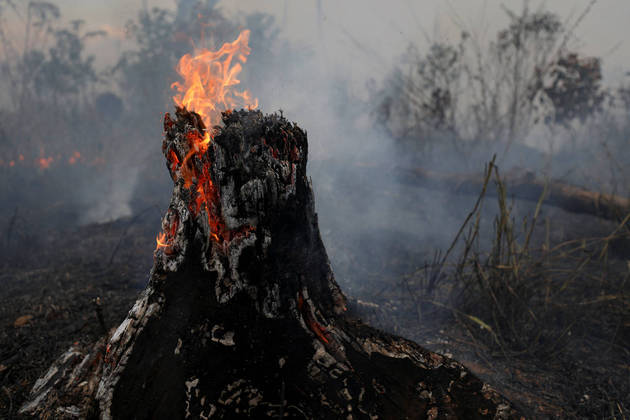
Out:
{"x": 46, "y": 161}
{"x": 242, "y": 316}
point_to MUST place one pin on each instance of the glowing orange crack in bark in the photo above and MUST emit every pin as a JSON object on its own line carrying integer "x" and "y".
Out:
{"x": 164, "y": 240}
{"x": 319, "y": 331}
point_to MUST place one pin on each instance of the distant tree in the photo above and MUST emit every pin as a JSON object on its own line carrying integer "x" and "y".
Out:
{"x": 65, "y": 72}
{"x": 51, "y": 63}
{"x": 496, "y": 92}
{"x": 162, "y": 37}
{"x": 145, "y": 72}
{"x": 573, "y": 88}
{"x": 527, "y": 45}
{"x": 424, "y": 100}
{"x": 23, "y": 53}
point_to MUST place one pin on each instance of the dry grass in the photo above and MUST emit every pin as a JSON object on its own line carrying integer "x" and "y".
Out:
{"x": 560, "y": 306}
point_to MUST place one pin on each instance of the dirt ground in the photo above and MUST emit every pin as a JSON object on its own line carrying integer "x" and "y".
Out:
{"x": 48, "y": 291}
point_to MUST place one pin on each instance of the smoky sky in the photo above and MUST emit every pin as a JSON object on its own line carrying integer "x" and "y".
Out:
{"x": 362, "y": 38}
{"x": 359, "y": 42}
{"x": 348, "y": 45}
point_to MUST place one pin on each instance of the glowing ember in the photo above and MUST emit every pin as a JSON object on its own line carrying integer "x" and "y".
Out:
{"x": 44, "y": 163}
{"x": 74, "y": 158}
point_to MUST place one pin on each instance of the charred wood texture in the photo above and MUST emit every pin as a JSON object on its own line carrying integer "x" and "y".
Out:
{"x": 242, "y": 316}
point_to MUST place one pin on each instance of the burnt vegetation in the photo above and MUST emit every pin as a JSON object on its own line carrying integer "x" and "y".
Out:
{"x": 529, "y": 294}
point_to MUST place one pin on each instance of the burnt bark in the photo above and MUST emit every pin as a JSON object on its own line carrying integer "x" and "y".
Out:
{"x": 242, "y": 316}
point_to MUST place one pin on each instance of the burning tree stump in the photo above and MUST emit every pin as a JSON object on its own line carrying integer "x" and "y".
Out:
{"x": 242, "y": 316}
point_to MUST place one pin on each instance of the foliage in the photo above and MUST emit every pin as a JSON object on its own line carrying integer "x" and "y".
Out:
{"x": 529, "y": 294}
{"x": 573, "y": 89}
{"x": 425, "y": 99}
{"x": 496, "y": 92}
{"x": 161, "y": 37}
{"x": 51, "y": 66}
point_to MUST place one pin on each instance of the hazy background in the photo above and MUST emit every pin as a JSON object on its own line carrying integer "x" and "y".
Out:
{"x": 382, "y": 88}
{"x": 335, "y": 68}
{"x": 357, "y": 42}
{"x": 383, "y": 29}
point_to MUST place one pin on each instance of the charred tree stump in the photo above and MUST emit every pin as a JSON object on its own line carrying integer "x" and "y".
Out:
{"x": 242, "y": 316}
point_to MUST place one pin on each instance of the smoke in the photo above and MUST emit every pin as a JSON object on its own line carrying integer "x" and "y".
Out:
{"x": 320, "y": 63}
{"x": 109, "y": 198}
{"x": 323, "y": 71}
{"x": 323, "y": 64}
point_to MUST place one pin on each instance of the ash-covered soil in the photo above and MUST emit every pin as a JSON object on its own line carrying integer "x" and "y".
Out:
{"x": 47, "y": 291}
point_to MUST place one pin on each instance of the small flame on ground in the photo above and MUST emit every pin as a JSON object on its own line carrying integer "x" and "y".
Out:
{"x": 74, "y": 158}
{"x": 47, "y": 162}
{"x": 44, "y": 163}
{"x": 161, "y": 241}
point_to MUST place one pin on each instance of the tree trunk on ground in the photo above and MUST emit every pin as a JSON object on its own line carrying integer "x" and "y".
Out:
{"x": 524, "y": 186}
{"x": 242, "y": 316}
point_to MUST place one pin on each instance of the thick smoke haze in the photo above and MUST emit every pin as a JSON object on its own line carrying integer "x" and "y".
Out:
{"x": 405, "y": 103}
{"x": 323, "y": 68}
{"x": 363, "y": 38}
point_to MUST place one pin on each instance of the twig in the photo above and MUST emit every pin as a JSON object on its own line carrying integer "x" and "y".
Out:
{"x": 99, "y": 313}
{"x": 471, "y": 214}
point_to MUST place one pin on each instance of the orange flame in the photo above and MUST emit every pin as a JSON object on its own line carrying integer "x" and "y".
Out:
{"x": 165, "y": 239}
{"x": 44, "y": 163}
{"x": 161, "y": 241}
{"x": 209, "y": 77}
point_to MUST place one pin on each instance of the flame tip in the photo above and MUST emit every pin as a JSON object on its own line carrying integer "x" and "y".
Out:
{"x": 208, "y": 77}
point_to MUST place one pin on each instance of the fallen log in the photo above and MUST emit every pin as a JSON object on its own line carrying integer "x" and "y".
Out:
{"x": 242, "y": 316}
{"x": 520, "y": 184}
